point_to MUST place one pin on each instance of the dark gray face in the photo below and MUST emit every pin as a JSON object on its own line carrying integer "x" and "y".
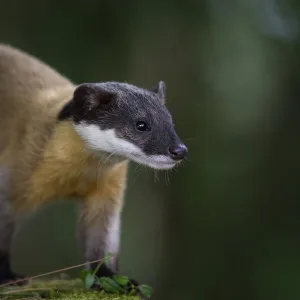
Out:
{"x": 126, "y": 120}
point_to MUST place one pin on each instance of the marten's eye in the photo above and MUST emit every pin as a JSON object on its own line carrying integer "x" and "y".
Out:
{"x": 142, "y": 126}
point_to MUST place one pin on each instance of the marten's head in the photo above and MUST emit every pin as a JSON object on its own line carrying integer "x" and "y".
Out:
{"x": 127, "y": 121}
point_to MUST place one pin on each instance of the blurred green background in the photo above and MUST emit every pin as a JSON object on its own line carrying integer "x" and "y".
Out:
{"x": 226, "y": 224}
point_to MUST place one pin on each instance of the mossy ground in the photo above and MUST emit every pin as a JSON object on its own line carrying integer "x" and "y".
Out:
{"x": 56, "y": 289}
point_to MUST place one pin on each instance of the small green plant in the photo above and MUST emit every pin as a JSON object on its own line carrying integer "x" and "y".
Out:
{"x": 117, "y": 284}
{"x": 80, "y": 288}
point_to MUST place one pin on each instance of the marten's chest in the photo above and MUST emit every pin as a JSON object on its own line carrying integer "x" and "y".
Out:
{"x": 81, "y": 181}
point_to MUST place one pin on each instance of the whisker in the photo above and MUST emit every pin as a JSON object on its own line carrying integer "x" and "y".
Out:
{"x": 156, "y": 177}
{"x": 108, "y": 157}
{"x": 137, "y": 171}
{"x": 98, "y": 171}
{"x": 101, "y": 164}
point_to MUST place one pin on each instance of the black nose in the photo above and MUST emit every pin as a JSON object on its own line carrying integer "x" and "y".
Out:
{"x": 178, "y": 152}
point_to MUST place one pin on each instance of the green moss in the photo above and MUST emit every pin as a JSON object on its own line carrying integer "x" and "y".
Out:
{"x": 91, "y": 296}
{"x": 57, "y": 289}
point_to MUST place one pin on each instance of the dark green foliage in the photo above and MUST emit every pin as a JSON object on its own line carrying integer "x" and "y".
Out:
{"x": 110, "y": 286}
{"x": 120, "y": 285}
{"x": 89, "y": 280}
{"x": 121, "y": 280}
{"x": 116, "y": 285}
{"x": 145, "y": 290}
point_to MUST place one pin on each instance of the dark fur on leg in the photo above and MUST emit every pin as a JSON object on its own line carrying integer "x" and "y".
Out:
{"x": 6, "y": 274}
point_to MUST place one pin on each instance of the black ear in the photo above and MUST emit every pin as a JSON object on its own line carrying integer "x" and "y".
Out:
{"x": 161, "y": 90}
{"x": 92, "y": 95}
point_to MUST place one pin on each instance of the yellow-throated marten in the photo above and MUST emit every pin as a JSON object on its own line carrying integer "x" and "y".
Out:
{"x": 58, "y": 139}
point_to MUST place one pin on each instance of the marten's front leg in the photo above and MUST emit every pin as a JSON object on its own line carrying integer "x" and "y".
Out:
{"x": 99, "y": 227}
{"x": 7, "y": 226}
{"x": 100, "y": 234}
{"x": 6, "y": 232}
{"x": 100, "y": 222}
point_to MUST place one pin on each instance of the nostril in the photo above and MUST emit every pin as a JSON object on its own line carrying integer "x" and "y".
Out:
{"x": 178, "y": 152}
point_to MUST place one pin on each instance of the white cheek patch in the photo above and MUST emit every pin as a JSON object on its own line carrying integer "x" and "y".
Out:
{"x": 107, "y": 140}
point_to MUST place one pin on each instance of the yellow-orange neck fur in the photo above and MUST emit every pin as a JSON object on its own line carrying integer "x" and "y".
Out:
{"x": 68, "y": 169}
